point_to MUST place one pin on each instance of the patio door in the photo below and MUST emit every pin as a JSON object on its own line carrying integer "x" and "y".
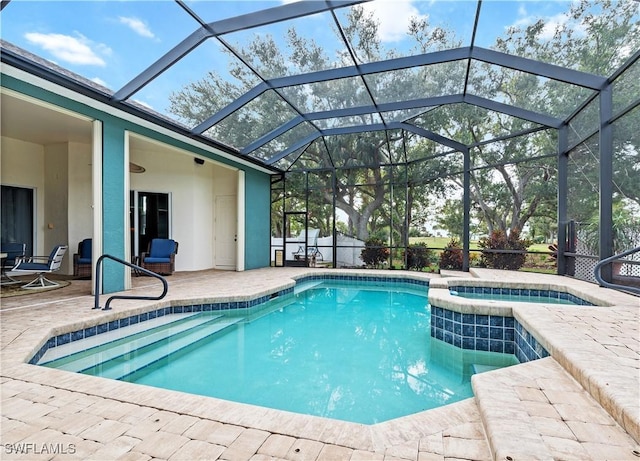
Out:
{"x": 226, "y": 231}
{"x": 150, "y": 218}
{"x": 295, "y": 241}
{"x": 17, "y": 216}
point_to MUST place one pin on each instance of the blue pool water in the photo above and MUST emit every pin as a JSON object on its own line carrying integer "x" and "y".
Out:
{"x": 545, "y": 297}
{"x": 335, "y": 350}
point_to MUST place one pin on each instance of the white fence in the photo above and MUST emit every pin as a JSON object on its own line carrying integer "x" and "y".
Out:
{"x": 347, "y": 253}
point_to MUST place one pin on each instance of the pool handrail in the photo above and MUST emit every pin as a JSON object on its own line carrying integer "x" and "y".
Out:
{"x": 597, "y": 272}
{"x": 96, "y": 303}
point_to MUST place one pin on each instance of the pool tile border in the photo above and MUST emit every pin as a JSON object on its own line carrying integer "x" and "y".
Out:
{"x": 524, "y": 292}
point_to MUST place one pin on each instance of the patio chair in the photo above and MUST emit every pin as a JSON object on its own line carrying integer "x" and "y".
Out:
{"x": 41, "y": 265}
{"x": 12, "y": 251}
{"x": 312, "y": 246}
{"x": 82, "y": 261}
{"x": 160, "y": 257}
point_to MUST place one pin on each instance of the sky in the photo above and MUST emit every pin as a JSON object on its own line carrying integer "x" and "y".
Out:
{"x": 110, "y": 42}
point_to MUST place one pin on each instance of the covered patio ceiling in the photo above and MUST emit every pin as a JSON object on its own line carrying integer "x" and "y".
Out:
{"x": 272, "y": 82}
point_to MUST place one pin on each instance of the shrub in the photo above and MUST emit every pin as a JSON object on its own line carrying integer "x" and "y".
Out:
{"x": 419, "y": 256}
{"x": 498, "y": 240}
{"x": 374, "y": 253}
{"x": 451, "y": 256}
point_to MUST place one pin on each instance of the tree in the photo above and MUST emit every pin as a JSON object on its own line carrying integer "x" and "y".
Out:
{"x": 513, "y": 179}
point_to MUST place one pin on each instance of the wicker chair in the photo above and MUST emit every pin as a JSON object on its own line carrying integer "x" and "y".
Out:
{"x": 82, "y": 259}
{"x": 160, "y": 257}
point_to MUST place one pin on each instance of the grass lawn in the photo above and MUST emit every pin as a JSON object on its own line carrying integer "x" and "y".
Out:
{"x": 534, "y": 263}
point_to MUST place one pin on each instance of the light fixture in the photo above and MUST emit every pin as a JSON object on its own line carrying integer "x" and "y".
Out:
{"x": 135, "y": 168}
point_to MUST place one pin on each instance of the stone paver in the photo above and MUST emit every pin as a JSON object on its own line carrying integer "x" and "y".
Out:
{"x": 580, "y": 404}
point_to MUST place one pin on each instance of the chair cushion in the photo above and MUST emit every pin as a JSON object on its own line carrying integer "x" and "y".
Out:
{"x": 84, "y": 260}
{"x": 85, "y": 251}
{"x": 33, "y": 267}
{"x": 152, "y": 260}
{"x": 13, "y": 250}
{"x": 161, "y": 248}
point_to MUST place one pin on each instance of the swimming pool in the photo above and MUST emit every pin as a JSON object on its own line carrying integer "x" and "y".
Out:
{"x": 324, "y": 350}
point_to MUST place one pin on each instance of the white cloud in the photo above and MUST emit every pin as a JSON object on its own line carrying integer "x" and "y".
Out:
{"x": 551, "y": 23}
{"x": 74, "y": 50}
{"x": 137, "y": 26}
{"x": 393, "y": 17}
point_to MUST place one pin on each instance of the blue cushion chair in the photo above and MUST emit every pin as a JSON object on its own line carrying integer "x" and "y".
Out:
{"x": 160, "y": 257}
{"x": 41, "y": 265}
{"x": 13, "y": 251}
{"x": 82, "y": 259}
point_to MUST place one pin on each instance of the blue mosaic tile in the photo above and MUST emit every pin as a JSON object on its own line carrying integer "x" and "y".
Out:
{"x": 509, "y": 334}
{"x": 482, "y": 331}
{"x": 123, "y": 322}
{"x": 469, "y": 318}
{"x": 496, "y": 346}
{"x": 468, "y": 329}
{"x": 63, "y": 339}
{"x": 76, "y": 335}
{"x": 103, "y": 327}
{"x": 496, "y": 333}
{"x": 482, "y": 319}
{"x": 468, "y": 343}
{"x": 496, "y": 321}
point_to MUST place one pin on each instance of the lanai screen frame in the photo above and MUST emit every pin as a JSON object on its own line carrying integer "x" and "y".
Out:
{"x": 602, "y": 87}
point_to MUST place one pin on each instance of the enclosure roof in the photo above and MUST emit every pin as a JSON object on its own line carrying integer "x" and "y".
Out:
{"x": 270, "y": 79}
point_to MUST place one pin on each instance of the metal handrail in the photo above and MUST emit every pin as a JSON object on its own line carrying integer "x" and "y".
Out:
{"x": 96, "y": 303}
{"x": 597, "y": 272}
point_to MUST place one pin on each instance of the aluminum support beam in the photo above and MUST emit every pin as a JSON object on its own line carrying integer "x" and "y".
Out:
{"x": 231, "y": 108}
{"x": 277, "y": 14}
{"x": 518, "y": 112}
{"x": 562, "y": 74}
{"x": 162, "y": 64}
{"x": 563, "y": 187}
{"x": 466, "y": 205}
{"x": 606, "y": 180}
{"x": 368, "y": 128}
{"x": 351, "y": 112}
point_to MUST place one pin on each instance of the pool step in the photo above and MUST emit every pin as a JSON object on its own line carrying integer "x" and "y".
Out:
{"x": 129, "y": 339}
{"x": 90, "y": 344}
{"x": 117, "y": 366}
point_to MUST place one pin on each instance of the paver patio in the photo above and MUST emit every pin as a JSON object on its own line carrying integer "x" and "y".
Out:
{"x": 581, "y": 403}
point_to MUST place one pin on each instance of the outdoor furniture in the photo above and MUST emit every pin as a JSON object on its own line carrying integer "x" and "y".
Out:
{"x": 82, "y": 260}
{"x": 11, "y": 252}
{"x": 160, "y": 257}
{"x": 41, "y": 265}
{"x": 311, "y": 240}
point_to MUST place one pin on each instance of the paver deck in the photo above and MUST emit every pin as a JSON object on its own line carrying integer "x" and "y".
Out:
{"x": 581, "y": 403}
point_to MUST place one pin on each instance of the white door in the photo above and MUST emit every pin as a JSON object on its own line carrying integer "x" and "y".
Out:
{"x": 226, "y": 231}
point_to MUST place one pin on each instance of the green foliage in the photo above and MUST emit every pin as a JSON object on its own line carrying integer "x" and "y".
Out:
{"x": 451, "y": 256}
{"x": 419, "y": 256}
{"x": 498, "y": 240}
{"x": 375, "y": 253}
